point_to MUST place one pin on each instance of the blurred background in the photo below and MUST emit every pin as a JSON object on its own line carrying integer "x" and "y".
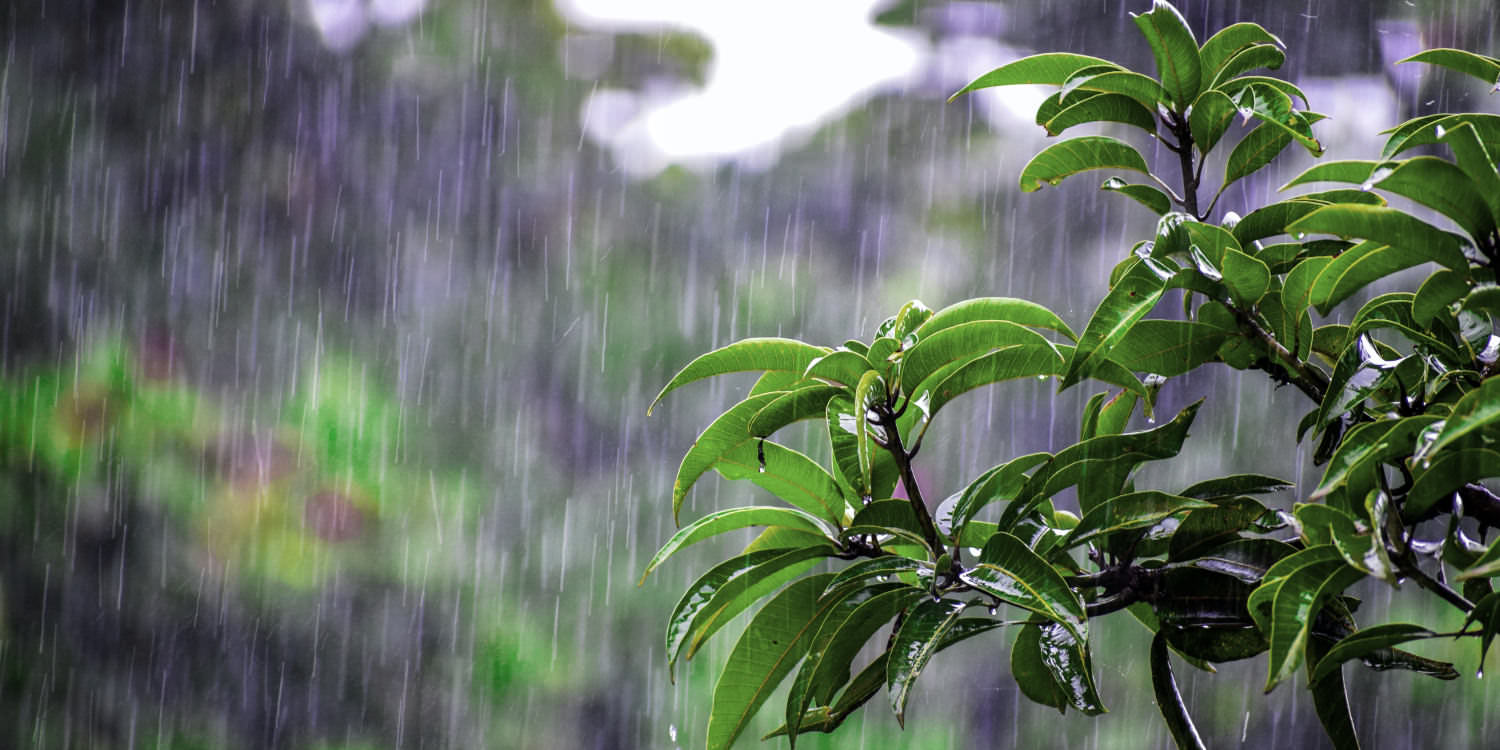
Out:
{"x": 327, "y": 329}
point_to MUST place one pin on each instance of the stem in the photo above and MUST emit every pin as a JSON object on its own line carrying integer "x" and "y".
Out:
{"x": 909, "y": 480}
{"x": 1184, "y": 135}
{"x": 1309, "y": 380}
{"x": 1440, "y": 588}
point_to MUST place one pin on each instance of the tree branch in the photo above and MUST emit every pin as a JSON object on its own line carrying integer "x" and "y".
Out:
{"x": 887, "y": 419}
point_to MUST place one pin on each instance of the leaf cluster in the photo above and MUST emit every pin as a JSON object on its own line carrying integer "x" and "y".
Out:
{"x": 1404, "y": 413}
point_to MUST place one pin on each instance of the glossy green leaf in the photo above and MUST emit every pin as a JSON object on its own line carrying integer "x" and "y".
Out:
{"x": 1446, "y": 473}
{"x": 1483, "y": 67}
{"x": 1142, "y": 90}
{"x": 1126, "y": 303}
{"x": 1248, "y": 278}
{"x": 1206, "y": 528}
{"x": 728, "y": 589}
{"x": 921, "y": 632}
{"x": 1331, "y": 702}
{"x": 787, "y": 474}
{"x": 1067, "y": 657}
{"x": 1235, "y": 484}
{"x": 838, "y": 641}
{"x": 1135, "y": 510}
{"x": 1145, "y": 195}
{"x": 1031, "y": 673}
{"x": 841, "y": 366}
{"x": 843, "y": 439}
{"x": 1387, "y": 226}
{"x": 1478, "y": 409}
{"x": 1003, "y": 364}
{"x": 1229, "y": 41}
{"x": 773, "y": 643}
{"x": 1354, "y": 171}
{"x": 725, "y": 437}
{"x": 1167, "y": 347}
{"x": 1369, "y": 642}
{"x": 731, "y": 519}
{"x": 1486, "y": 612}
{"x": 1103, "y": 108}
{"x": 1271, "y": 220}
{"x": 1296, "y": 604}
{"x": 999, "y": 483}
{"x": 806, "y": 402}
{"x": 1009, "y": 309}
{"x": 1478, "y": 162}
{"x": 856, "y": 694}
{"x": 1248, "y": 59}
{"x": 1443, "y": 288}
{"x": 877, "y": 567}
{"x": 1211, "y": 116}
{"x": 1422, "y": 131}
{"x": 1051, "y": 67}
{"x": 1075, "y": 155}
{"x": 787, "y": 355}
{"x": 1255, "y": 150}
{"x": 1430, "y": 181}
{"x": 869, "y": 390}
{"x": 963, "y": 342}
{"x": 1369, "y": 444}
{"x": 1176, "y": 52}
{"x": 1010, "y": 571}
{"x": 1237, "y": 86}
{"x": 1169, "y": 700}
{"x": 1273, "y": 106}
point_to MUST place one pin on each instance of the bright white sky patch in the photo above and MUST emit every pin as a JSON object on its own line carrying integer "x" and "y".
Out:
{"x": 780, "y": 68}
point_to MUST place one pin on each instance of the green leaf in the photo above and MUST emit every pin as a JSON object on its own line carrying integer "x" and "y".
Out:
{"x": 728, "y": 589}
{"x": 826, "y": 668}
{"x": 1126, "y": 303}
{"x": 1443, "y": 288}
{"x": 1167, "y": 347}
{"x": 1135, "y": 510}
{"x": 870, "y": 389}
{"x": 1247, "y": 277}
{"x": 1368, "y": 642}
{"x": 1447, "y": 472}
{"x": 1428, "y": 180}
{"x": 843, "y": 439}
{"x": 1146, "y": 195}
{"x": 921, "y": 632}
{"x": 1010, "y": 571}
{"x": 962, "y": 342}
{"x": 1331, "y": 703}
{"x": 1210, "y": 117}
{"x": 777, "y": 354}
{"x": 723, "y": 438}
{"x": 1477, "y": 162}
{"x": 1248, "y": 59}
{"x": 1052, "y": 67}
{"x": 1140, "y": 89}
{"x": 1067, "y": 657}
{"x": 1103, "y": 108}
{"x": 1206, "y": 528}
{"x": 1229, "y": 41}
{"x": 1008, "y": 363}
{"x": 1254, "y": 151}
{"x": 1422, "y": 131}
{"x": 1176, "y": 52}
{"x": 1000, "y": 483}
{"x": 1236, "y": 86}
{"x": 1484, "y": 68}
{"x": 787, "y": 474}
{"x": 1370, "y": 444}
{"x": 1296, "y": 604}
{"x": 1032, "y": 674}
{"x": 771, "y": 645}
{"x": 1010, "y": 309}
{"x": 1271, "y": 220}
{"x": 1272, "y": 105}
{"x": 1075, "y": 155}
{"x": 1486, "y": 612}
{"x": 841, "y": 366}
{"x": 1478, "y": 408}
{"x": 1235, "y": 484}
{"x": 1169, "y": 700}
{"x": 731, "y": 519}
{"x": 1387, "y": 226}
{"x": 806, "y": 402}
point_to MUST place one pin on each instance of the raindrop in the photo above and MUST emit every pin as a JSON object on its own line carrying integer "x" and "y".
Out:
{"x": 672, "y": 732}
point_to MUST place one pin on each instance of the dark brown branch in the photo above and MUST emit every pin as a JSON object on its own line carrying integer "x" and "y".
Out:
{"x": 887, "y": 420}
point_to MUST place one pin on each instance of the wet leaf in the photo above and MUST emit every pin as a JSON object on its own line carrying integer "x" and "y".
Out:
{"x": 1145, "y": 195}
{"x": 1075, "y": 155}
{"x": 1484, "y": 68}
{"x": 1176, "y": 52}
{"x": 1169, "y": 700}
{"x": 1136, "y": 510}
{"x": 1297, "y": 601}
{"x": 1443, "y": 288}
{"x": 842, "y": 367}
{"x": 1255, "y": 150}
{"x": 1331, "y": 703}
{"x": 731, "y": 519}
{"x": 1478, "y": 409}
{"x": 1257, "y": 56}
{"x": 1031, "y": 673}
{"x": 722, "y": 438}
{"x": 1477, "y": 161}
{"x": 787, "y": 474}
{"x": 1000, "y": 483}
{"x": 921, "y": 632}
{"x": 1235, "y": 484}
{"x": 1103, "y": 108}
{"x": 787, "y": 355}
{"x": 1370, "y": 642}
{"x": 1446, "y": 473}
{"x": 773, "y": 642}
{"x": 963, "y": 342}
{"x": 1386, "y": 226}
{"x": 1486, "y": 612}
{"x": 1126, "y": 303}
{"x": 1210, "y": 117}
{"x": 791, "y": 406}
{"x": 1009, "y": 309}
{"x": 1140, "y": 90}
{"x": 1229, "y": 41}
{"x": 1167, "y": 347}
{"x": 1010, "y": 571}
{"x": 1067, "y": 658}
{"x": 859, "y": 613}
{"x": 1051, "y": 67}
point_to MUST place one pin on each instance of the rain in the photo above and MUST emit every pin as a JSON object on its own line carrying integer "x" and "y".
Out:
{"x": 328, "y": 330}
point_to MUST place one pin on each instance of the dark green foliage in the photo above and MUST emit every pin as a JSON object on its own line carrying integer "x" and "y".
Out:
{"x": 1403, "y": 398}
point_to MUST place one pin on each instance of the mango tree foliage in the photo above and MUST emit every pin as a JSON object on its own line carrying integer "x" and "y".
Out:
{"x": 1403, "y": 413}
